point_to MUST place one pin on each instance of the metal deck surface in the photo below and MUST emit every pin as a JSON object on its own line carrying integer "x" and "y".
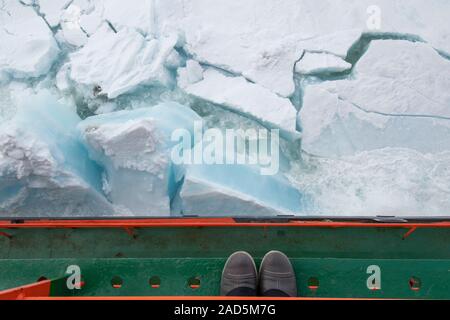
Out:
{"x": 185, "y": 258}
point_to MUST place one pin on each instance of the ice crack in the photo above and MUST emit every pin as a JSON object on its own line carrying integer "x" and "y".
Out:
{"x": 393, "y": 114}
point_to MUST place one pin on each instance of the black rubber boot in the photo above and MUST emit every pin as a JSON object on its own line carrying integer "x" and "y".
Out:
{"x": 277, "y": 276}
{"x": 239, "y": 276}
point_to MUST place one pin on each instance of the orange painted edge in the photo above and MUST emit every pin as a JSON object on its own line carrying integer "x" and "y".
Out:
{"x": 199, "y": 298}
{"x": 410, "y": 231}
{"x": 38, "y": 289}
{"x": 207, "y": 222}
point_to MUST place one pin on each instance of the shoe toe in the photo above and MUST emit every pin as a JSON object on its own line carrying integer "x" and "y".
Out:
{"x": 239, "y": 272}
{"x": 240, "y": 263}
{"x": 277, "y": 273}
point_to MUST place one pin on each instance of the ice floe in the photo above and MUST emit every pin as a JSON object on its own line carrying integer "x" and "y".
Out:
{"x": 397, "y": 98}
{"x": 134, "y": 148}
{"x": 317, "y": 63}
{"x": 71, "y": 30}
{"x": 190, "y": 74}
{"x": 120, "y": 62}
{"x": 44, "y": 169}
{"x": 266, "y": 38}
{"x": 239, "y": 191}
{"x": 135, "y": 14}
{"x": 27, "y": 46}
{"x": 242, "y": 96}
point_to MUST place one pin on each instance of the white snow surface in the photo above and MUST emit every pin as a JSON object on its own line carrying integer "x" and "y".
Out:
{"x": 266, "y": 37}
{"x": 71, "y": 30}
{"x": 120, "y": 62}
{"x": 52, "y": 10}
{"x": 245, "y": 97}
{"x": 412, "y": 78}
{"x": 27, "y": 46}
{"x": 190, "y": 74}
{"x": 316, "y": 63}
{"x": 397, "y": 98}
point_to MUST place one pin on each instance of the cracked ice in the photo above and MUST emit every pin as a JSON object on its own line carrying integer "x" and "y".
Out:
{"x": 91, "y": 90}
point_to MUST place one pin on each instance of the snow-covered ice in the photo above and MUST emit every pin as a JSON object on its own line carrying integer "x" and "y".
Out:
{"x": 317, "y": 63}
{"x": 400, "y": 77}
{"x": 398, "y": 97}
{"x": 134, "y": 14}
{"x": 266, "y": 38}
{"x": 333, "y": 127}
{"x": 90, "y": 91}
{"x": 27, "y": 46}
{"x": 120, "y": 62}
{"x": 52, "y": 10}
{"x": 245, "y": 97}
{"x": 71, "y": 30}
{"x": 189, "y": 74}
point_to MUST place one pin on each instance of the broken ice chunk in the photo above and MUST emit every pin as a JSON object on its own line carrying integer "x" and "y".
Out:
{"x": 120, "y": 62}
{"x": 72, "y": 36}
{"x": 44, "y": 169}
{"x": 237, "y": 190}
{"x": 71, "y": 31}
{"x": 261, "y": 43}
{"x": 27, "y": 46}
{"x": 134, "y": 147}
{"x": 192, "y": 73}
{"x": 397, "y": 98}
{"x": 247, "y": 98}
{"x": 136, "y": 14}
{"x": 319, "y": 63}
{"x": 52, "y": 10}
{"x": 62, "y": 80}
{"x": 397, "y": 77}
{"x": 334, "y": 127}
{"x": 92, "y": 20}
{"x": 264, "y": 39}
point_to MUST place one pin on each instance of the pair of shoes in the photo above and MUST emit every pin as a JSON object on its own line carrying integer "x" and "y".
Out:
{"x": 276, "y": 276}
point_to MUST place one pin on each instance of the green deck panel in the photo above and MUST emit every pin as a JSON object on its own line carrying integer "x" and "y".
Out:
{"x": 344, "y": 278}
{"x": 338, "y": 257}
